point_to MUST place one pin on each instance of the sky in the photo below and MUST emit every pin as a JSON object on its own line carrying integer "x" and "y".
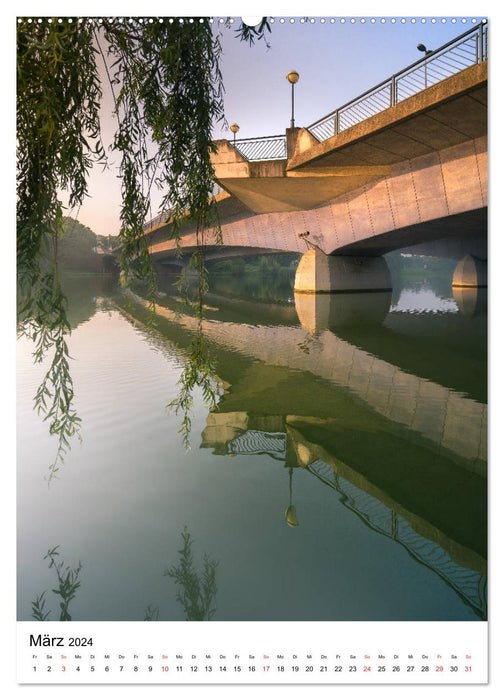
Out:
{"x": 336, "y": 62}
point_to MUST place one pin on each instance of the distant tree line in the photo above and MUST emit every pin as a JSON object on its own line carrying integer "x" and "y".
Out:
{"x": 267, "y": 265}
{"x": 411, "y": 267}
{"x": 79, "y": 246}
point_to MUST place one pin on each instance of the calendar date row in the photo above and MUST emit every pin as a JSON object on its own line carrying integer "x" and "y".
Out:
{"x": 193, "y": 669}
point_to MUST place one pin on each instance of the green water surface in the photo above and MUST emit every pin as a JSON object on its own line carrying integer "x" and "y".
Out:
{"x": 342, "y": 475}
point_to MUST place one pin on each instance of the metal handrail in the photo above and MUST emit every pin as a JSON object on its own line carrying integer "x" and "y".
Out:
{"x": 159, "y": 219}
{"x": 470, "y": 48}
{"x": 259, "y": 138}
{"x": 469, "y": 585}
{"x": 165, "y": 215}
{"x": 262, "y": 147}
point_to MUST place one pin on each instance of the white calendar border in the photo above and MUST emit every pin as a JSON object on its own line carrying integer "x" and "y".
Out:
{"x": 8, "y": 584}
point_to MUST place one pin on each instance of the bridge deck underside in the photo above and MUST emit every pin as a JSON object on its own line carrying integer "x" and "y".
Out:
{"x": 426, "y": 185}
{"x": 448, "y": 237}
{"x": 442, "y": 195}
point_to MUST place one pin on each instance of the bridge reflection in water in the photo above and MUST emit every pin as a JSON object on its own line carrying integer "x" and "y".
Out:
{"x": 351, "y": 396}
{"x": 468, "y": 579}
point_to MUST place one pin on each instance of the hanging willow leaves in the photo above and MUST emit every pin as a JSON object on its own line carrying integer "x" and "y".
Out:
{"x": 167, "y": 90}
{"x": 181, "y": 99}
{"x": 58, "y": 126}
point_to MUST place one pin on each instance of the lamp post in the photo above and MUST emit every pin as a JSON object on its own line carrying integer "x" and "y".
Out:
{"x": 421, "y": 47}
{"x": 292, "y": 77}
{"x": 290, "y": 511}
{"x": 234, "y": 128}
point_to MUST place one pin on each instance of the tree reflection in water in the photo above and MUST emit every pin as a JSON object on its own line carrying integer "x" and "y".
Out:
{"x": 42, "y": 317}
{"x": 198, "y": 592}
{"x": 68, "y": 584}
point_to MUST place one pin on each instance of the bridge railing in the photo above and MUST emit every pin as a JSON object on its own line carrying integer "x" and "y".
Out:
{"x": 469, "y": 585}
{"x": 166, "y": 213}
{"x": 262, "y": 147}
{"x": 159, "y": 219}
{"x": 466, "y": 50}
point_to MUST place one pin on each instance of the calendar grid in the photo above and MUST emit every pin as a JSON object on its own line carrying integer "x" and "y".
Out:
{"x": 264, "y": 653}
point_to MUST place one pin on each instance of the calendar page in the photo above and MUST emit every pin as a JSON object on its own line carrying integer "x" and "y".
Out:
{"x": 252, "y": 349}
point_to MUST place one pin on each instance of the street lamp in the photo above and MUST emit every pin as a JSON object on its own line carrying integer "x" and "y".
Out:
{"x": 234, "y": 128}
{"x": 421, "y": 47}
{"x": 292, "y": 77}
{"x": 290, "y": 511}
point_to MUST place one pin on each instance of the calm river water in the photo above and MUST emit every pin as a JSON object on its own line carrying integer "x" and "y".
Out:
{"x": 342, "y": 476}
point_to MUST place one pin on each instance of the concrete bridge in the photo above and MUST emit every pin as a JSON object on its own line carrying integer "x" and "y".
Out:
{"x": 403, "y": 166}
{"x": 447, "y": 420}
{"x": 343, "y": 433}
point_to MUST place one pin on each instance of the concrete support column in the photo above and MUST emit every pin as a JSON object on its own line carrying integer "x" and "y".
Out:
{"x": 320, "y": 273}
{"x": 471, "y": 301}
{"x": 318, "y": 312}
{"x": 470, "y": 272}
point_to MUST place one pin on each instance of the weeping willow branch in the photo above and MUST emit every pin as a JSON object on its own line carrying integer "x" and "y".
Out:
{"x": 199, "y": 368}
{"x": 54, "y": 397}
{"x": 58, "y": 127}
{"x": 168, "y": 94}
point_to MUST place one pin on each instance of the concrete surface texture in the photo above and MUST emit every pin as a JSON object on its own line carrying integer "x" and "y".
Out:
{"x": 318, "y": 272}
{"x": 470, "y": 272}
{"x": 414, "y": 174}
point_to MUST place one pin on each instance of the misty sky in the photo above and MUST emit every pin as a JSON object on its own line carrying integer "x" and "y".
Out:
{"x": 336, "y": 62}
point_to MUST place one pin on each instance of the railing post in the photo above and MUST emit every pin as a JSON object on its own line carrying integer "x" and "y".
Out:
{"x": 336, "y": 123}
{"x": 479, "y": 43}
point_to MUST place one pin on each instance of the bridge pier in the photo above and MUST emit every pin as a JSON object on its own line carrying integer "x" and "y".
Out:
{"x": 318, "y": 273}
{"x": 319, "y": 312}
{"x": 471, "y": 301}
{"x": 470, "y": 272}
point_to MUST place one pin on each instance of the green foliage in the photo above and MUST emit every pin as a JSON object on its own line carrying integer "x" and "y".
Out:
{"x": 43, "y": 319}
{"x": 167, "y": 90}
{"x": 230, "y": 266}
{"x": 38, "y": 608}
{"x": 400, "y": 264}
{"x": 198, "y": 592}
{"x": 67, "y": 585}
{"x": 250, "y": 34}
{"x": 58, "y": 127}
{"x": 151, "y": 613}
{"x": 107, "y": 242}
{"x": 168, "y": 93}
{"x": 199, "y": 369}
{"x": 58, "y": 97}
{"x": 275, "y": 265}
{"x": 268, "y": 266}
{"x": 77, "y": 246}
